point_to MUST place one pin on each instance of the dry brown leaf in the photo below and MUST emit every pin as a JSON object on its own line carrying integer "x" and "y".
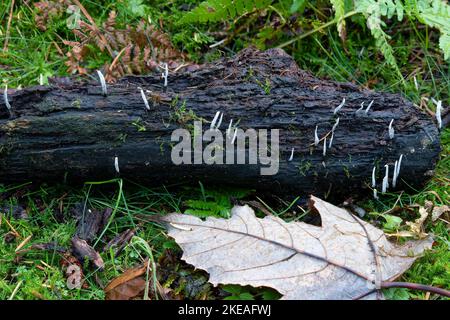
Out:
{"x": 83, "y": 251}
{"x": 416, "y": 227}
{"x": 127, "y": 290}
{"x": 438, "y": 212}
{"x": 299, "y": 260}
{"x": 128, "y": 285}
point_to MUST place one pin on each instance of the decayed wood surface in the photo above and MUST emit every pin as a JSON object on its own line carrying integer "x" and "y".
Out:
{"x": 69, "y": 131}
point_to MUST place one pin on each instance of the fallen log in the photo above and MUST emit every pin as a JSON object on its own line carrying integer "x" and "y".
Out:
{"x": 71, "y": 131}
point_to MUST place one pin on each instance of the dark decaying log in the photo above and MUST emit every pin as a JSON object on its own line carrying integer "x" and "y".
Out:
{"x": 70, "y": 132}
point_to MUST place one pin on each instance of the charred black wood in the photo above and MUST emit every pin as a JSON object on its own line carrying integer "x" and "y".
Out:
{"x": 70, "y": 132}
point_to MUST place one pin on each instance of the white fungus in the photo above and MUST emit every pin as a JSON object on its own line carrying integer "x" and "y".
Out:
{"x": 375, "y": 194}
{"x": 5, "y": 99}
{"x": 144, "y": 98}
{"x": 165, "y": 74}
{"x": 116, "y": 164}
{"x": 316, "y": 137}
{"x": 292, "y": 155}
{"x": 220, "y": 121}
{"x": 229, "y": 128}
{"x": 374, "y": 182}
{"x": 339, "y": 107}
{"x": 438, "y": 113}
{"x": 368, "y": 107}
{"x": 385, "y": 185}
{"x": 399, "y": 164}
{"x": 335, "y": 125}
{"x": 360, "y": 108}
{"x": 234, "y": 136}
{"x": 102, "y": 82}
{"x": 325, "y": 146}
{"x": 214, "y": 120}
{"x": 331, "y": 140}
{"x": 394, "y": 174}
{"x": 391, "y": 130}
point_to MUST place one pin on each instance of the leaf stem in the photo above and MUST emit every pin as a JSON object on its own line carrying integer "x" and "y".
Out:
{"x": 326, "y": 25}
{"x": 416, "y": 286}
{"x": 408, "y": 285}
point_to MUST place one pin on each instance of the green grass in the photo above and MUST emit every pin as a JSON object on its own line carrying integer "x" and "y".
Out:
{"x": 32, "y": 52}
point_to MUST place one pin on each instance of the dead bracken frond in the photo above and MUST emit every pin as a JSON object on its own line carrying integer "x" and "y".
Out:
{"x": 133, "y": 49}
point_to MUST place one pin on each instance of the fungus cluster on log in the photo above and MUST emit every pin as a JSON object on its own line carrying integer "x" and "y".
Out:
{"x": 75, "y": 131}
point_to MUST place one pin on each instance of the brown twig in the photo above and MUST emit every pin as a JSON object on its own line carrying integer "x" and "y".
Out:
{"x": 408, "y": 285}
{"x": 94, "y": 25}
{"x": 416, "y": 286}
{"x": 5, "y": 46}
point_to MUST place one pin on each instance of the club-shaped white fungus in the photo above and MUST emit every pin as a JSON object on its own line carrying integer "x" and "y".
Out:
{"x": 144, "y": 98}
{"x": 220, "y": 121}
{"x": 325, "y": 146}
{"x": 394, "y": 174}
{"x": 229, "y": 128}
{"x": 374, "y": 182}
{"x": 214, "y": 120}
{"x": 116, "y": 164}
{"x": 438, "y": 113}
{"x": 339, "y": 107}
{"x": 165, "y": 74}
{"x": 375, "y": 194}
{"x": 234, "y": 136}
{"x": 5, "y": 99}
{"x": 292, "y": 155}
{"x": 360, "y": 108}
{"x": 335, "y": 125}
{"x": 316, "y": 137}
{"x": 391, "y": 130}
{"x": 368, "y": 107}
{"x": 385, "y": 185}
{"x": 331, "y": 140}
{"x": 399, "y": 164}
{"x": 102, "y": 82}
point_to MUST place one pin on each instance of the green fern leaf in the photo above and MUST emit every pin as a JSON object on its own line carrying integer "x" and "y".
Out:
{"x": 339, "y": 13}
{"x": 436, "y": 13}
{"x": 220, "y": 10}
{"x": 374, "y": 10}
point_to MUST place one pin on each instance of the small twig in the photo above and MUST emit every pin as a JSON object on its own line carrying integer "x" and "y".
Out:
{"x": 5, "y": 46}
{"x": 395, "y": 205}
{"x": 13, "y": 294}
{"x": 116, "y": 59}
{"x": 306, "y": 34}
{"x": 408, "y": 285}
{"x": 23, "y": 243}
{"x": 12, "y": 229}
{"x": 94, "y": 25}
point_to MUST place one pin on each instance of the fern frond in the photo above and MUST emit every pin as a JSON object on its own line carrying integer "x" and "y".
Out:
{"x": 436, "y": 14}
{"x": 219, "y": 10}
{"x": 374, "y": 10}
{"x": 339, "y": 13}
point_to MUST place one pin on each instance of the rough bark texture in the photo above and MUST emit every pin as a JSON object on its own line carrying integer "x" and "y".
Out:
{"x": 69, "y": 131}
